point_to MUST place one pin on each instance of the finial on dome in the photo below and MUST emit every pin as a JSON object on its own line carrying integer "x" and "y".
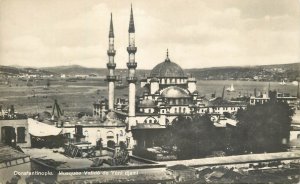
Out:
{"x": 167, "y": 59}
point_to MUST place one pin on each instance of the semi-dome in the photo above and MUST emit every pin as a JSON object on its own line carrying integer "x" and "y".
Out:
{"x": 147, "y": 103}
{"x": 175, "y": 92}
{"x": 167, "y": 69}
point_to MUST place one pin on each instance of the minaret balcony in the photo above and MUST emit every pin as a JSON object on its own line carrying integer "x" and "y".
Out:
{"x": 131, "y": 50}
{"x": 111, "y": 65}
{"x": 132, "y": 65}
{"x": 131, "y": 79}
{"x": 111, "y": 78}
{"x": 111, "y": 52}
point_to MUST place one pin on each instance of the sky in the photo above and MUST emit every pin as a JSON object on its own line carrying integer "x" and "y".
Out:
{"x": 197, "y": 33}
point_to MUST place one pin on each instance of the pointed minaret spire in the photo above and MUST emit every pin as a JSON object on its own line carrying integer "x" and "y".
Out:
{"x": 111, "y": 65}
{"x": 111, "y": 28}
{"x": 131, "y": 22}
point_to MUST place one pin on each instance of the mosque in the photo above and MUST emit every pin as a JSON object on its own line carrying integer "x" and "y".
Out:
{"x": 161, "y": 97}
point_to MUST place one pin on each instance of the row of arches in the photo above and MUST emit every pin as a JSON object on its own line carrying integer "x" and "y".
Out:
{"x": 173, "y": 80}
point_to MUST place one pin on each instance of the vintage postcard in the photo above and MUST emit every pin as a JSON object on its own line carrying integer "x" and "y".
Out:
{"x": 159, "y": 92}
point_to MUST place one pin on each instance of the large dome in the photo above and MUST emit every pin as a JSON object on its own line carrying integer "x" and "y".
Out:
{"x": 167, "y": 69}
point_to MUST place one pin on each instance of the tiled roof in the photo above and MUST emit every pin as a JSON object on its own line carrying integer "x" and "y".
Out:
{"x": 8, "y": 153}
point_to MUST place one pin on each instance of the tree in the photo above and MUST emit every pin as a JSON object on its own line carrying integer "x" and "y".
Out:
{"x": 192, "y": 138}
{"x": 122, "y": 156}
{"x": 263, "y": 128}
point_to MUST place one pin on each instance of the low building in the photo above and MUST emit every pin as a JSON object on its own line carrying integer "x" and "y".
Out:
{"x": 109, "y": 132}
{"x": 280, "y": 97}
{"x": 255, "y": 100}
{"x": 287, "y": 98}
{"x": 14, "y": 129}
{"x": 220, "y": 106}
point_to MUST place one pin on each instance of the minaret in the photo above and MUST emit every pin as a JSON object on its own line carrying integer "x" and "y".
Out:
{"x": 131, "y": 64}
{"x": 111, "y": 65}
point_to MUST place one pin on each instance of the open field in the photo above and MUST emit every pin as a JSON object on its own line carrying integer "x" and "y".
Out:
{"x": 75, "y": 97}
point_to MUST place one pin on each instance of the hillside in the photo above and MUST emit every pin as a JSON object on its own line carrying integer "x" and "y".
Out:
{"x": 263, "y": 73}
{"x": 288, "y": 72}
{"x": 75, "y": 70}
{"x": 14, "y": 71}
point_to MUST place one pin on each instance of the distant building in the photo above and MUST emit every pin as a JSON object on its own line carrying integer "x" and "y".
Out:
{"x": 261, "y": 99}
{"x": 280, "y": 97}
{"x": 220, "y": 106}
{"x": 81, "y": 76}
{"x": 287, "y": 98}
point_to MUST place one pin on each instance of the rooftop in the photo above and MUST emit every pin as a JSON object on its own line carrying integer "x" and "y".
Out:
{"x": 8, "y": 153}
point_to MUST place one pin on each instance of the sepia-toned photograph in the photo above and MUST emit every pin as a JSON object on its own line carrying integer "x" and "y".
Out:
{"x": 149, "y": 92}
